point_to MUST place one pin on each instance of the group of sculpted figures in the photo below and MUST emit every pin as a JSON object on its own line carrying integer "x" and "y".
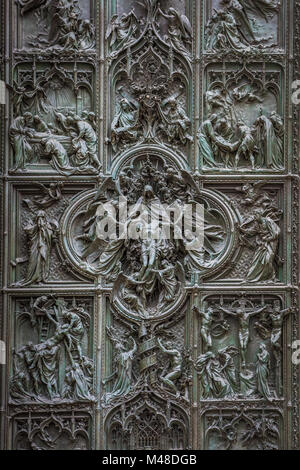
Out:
{"x": 148, "y": 272}
{"x": 61, "y": 25}
{"x": 39, "y": 367}
{"x": 123, "y": 31}
{"x": 131, "y": 121}
{"x": 147, "y": 266}
{"x": 218, "y": 369}
{"x": 232, "y": 28}
{"x": 220, "y": 375}
{"x": 228, "y": 142}
{"x": 124, "y": 376}
{"x": 70, "y": 143}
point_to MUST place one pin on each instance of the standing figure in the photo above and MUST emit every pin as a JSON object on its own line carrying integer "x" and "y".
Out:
{"x": 176, "y": 366}
{"x": 29, "y": 376}
{"x": 41, "y": 233}
{"x": 19, "y": 134}
{"x": 133, "y": 293}
{"x": 124, "y": 355}
{"x": 247, "y": 145}
{"x": 263, "y": 371}
{"x": 267, "y": 234}
{"x": 46, "y": 363}
{"x": 125, "y": 122}
{"x": 243, "y": 315}
{"x": 76, "y": 331}
{"x": 278, "y": 126}
{"x": 206, "y": 324}
{"x": 89, "y": 136}
{"x": 168, "y": 280}
{"x": 18, "y": 383}
{"x": 206, "y": 141}
{"x": 176, "y": 122}
{"x": 179, "y": 31}
{"x": 270, "y": 142}
{"x": 277, "y": 316}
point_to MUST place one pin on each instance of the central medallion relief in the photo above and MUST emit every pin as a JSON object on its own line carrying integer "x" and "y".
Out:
{"x": 148, "y": 231}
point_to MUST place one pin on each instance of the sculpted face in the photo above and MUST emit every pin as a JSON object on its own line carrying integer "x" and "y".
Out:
{"x": 148, "y": 192}
{"x": 28, "y": 118}
{"x": 125, "y": 105}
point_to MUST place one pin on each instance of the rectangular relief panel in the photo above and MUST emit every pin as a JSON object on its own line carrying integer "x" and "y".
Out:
{"x": 51, "y": 366}
{"x": 244, "y": 118}
{"x": 141, "y": 365}
{"x": 232, "y": 429}
{"x": 260, "y": 241}
{"x": 37, "y": 256}
{"x": 53, "y": 27}
{"x": 245, "y": 24}
{"x": 49, "y": 102}
{"x": 242, "y": 347}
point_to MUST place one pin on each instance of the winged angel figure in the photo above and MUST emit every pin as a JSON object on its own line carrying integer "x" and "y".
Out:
{"x": 122, "y": 31}
{"x": 235, "y": 25}
{"x": 147, "y": 258}
{"x": 179, "y": 31}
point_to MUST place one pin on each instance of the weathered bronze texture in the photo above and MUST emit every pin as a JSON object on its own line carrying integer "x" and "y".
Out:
{"x": 149, "y": 343}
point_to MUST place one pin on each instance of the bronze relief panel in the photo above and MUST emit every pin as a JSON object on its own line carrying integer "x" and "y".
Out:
{"x": 126, "y": 125}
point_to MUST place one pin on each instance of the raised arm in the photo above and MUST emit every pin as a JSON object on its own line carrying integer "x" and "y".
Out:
{"x": 133, "y": 281}
{"x": 287, "y": 311}
{"x": 134, "y": 349}
{"x": 197, "y": 310}
{"x": 259, "y": 310}
{"x": 229, "y": 312}
{"x": 51, "y": 318}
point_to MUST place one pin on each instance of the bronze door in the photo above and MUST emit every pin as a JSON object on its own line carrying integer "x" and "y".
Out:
{"x": 149, "y": 225}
